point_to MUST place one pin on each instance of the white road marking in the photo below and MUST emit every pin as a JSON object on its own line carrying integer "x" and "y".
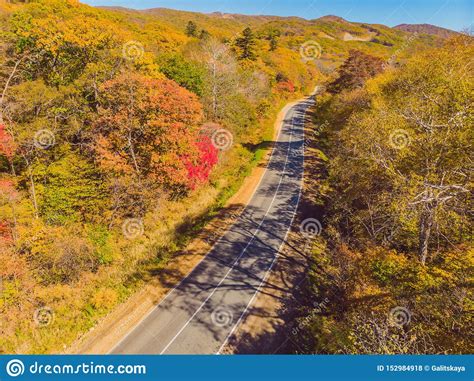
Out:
{"x": 210, "y": 250}
{"x": 239, "y": 257}
{"x": 273, "y": 262}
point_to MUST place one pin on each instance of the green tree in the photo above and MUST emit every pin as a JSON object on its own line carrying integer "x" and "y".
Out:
{"x": 273, "y": 43}
{"x": 272, "y": 37}
{"x": 246, "y": 44}
{"x": 191, "y": 29}
{"x": 188, "y": 74}
{"x": 204, "y": 34}
{"x": 69, "y": 189}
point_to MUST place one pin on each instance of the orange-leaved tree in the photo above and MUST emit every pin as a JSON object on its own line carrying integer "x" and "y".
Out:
{"x": 148, "y": 129}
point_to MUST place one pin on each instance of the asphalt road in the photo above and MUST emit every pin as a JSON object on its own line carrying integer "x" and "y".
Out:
{"x": 201, "y": 313}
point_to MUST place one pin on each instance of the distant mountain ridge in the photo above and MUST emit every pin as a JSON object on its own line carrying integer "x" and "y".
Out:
{"x": 332, "y": 18}
{"x": 333, "y": 35}
{"x": 426, "y": 29}
{"x": 409, "y": 28}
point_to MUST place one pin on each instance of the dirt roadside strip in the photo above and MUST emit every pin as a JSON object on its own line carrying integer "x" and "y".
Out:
{"x": 271, "y": 325}
{"x": 114, "y": 327}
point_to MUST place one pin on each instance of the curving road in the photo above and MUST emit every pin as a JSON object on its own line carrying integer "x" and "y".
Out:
{"x": 202, "y": 312}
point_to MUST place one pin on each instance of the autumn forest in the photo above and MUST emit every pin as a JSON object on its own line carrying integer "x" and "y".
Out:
{"x": 122, "y": 133}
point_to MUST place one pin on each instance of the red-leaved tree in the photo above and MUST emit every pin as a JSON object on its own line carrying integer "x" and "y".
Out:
{"x": 199, "y": 170}
{"x": 7, "y": 145}
{"x": 149, "y": 129}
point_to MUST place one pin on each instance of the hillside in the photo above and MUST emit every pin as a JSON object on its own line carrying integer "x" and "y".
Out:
{"x": 426, "y": 29}
{"x": 335, "y": 34}
{"x": 393, "y": 259}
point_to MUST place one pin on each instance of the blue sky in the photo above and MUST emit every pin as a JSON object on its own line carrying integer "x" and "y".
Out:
{"x": 452, "y": 14}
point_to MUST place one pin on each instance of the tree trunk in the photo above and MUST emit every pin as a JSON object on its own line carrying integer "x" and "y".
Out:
{"x": 214, "y": 91}
{"x": 33, "y": 192}
{"x": 134, "y": 157}
{"x": 7, "y": 84}
{"x": 12, "y": 166}
{"x": 426, "y": 223}
{"x": 15, "y": 223}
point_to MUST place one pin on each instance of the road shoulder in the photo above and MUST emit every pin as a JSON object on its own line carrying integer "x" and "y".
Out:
{"x": 110, "y": 330}
{"x": 269, "y": 324}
